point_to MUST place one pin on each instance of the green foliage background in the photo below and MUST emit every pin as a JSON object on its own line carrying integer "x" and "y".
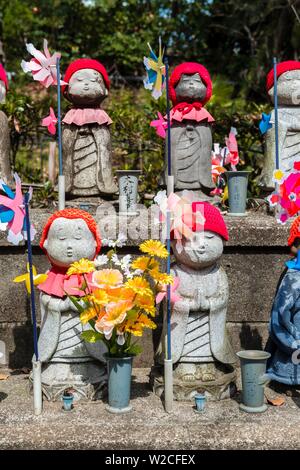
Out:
{"x": 234, "y": 39}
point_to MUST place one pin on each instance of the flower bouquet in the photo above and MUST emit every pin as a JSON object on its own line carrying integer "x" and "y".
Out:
{"x": 119, "y": 302}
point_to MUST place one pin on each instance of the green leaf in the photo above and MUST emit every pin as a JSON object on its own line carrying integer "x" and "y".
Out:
{"x": 77, "y": 304}
{"x": 91, "y": 336}
{"x": 134, "y": 349}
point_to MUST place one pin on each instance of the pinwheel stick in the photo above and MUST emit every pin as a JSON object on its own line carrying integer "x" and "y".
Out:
{"x": 36, "y": 364}
{"x": 168, "y": 363}
{"x": 276, "y": 114}
{"x": 61, "y": 178}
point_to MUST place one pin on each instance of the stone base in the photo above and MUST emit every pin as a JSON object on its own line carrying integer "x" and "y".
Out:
{"x": 221, "y": 387}
{"x": 88, "y": 380}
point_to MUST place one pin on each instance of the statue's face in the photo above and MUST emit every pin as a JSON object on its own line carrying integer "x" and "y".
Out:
{"x": 2, "y": 92}
{"x": 288, "y": 88}
{"x": 87, "y": 87}
{"x": 190, "y": 88}
{"x": 69, "y": 240}
{"x": 201, "y": 251}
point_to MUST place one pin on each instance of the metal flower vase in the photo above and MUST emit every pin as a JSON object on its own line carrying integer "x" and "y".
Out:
{"x": 237, "y": 192}
{"x": 128, "y": 190}
{"x": 254, "y": 378}
{"x": 119, "y": 384}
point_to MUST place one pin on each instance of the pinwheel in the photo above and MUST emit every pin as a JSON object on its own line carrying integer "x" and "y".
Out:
{"x": 37, "y": 278}
{"x": 42, "y": 66}
{"x": 160, "y": 124}
{"x": 232, "y": 156}
{"x": 156, "y": 72}
{"x": 12, "y": 212}
{"x": 182, "y": 217}
{"x": 265, "y": 123}
{"x": 50, "y": 122}
{"x": 286, "y": 198}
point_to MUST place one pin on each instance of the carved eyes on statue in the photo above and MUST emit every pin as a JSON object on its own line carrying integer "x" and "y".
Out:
{"x": 209, "y": 235}
{"x": 62, "y": 237}
{"x": 77, "y": 236}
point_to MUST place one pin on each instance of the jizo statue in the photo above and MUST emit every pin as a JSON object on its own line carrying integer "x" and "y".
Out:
{"x": 201, "y": 351}
{"x": 191, "y": 136}
{"x": 288, "y": 94}
{"x": 67, "y": 360}
{"x": 86, "y": 134}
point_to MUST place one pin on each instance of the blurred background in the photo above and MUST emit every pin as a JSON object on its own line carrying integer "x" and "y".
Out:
{"x": 234, "y": 39}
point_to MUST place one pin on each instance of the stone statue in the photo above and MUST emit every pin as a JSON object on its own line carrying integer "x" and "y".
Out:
{"x": 284, "y": 341}
{"x": 191, "y": 137}
{"x": 201, "y": 352}
{"x": 68, "y": 361}
{"x": 86, "y": 135}
{"x": 288, "y": 92}
{"x": 5, "y": 169}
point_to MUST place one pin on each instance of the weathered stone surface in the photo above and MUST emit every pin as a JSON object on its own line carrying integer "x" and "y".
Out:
{"x": 252, "y": 284}
{"x": 5, "y": 169}
{"x": 221, "y": 426}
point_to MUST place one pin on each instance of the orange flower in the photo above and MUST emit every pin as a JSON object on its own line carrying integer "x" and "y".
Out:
{"x": 139, "y": 285}
{"x": 115, "y": 314}
{"x": 145, "y": 302}
{"x": 107, "y": 278}
{"x": 88, "y": 315}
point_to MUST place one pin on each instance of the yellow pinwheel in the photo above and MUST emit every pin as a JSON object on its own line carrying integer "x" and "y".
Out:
{"x": 156, "y": 72}
{"x": 37, "y": 278}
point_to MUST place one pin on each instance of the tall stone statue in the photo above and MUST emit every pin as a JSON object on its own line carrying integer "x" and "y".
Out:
{"x": 68, "y": 361}
{"x": 288, "y": 92}
{"x": 191, "y": 136}
{"x": 201, "y": 351}
{"x": 86, "y": 135}
{"x": 5, "y": 169}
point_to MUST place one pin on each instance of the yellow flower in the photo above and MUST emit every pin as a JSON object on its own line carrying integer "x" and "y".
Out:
{"x": 162, "y": 278}
{"x": 107, "y": 278}
{"x": 83, "y": 266}
{"x": 133, "y": 327}
{"x": 139, "y": 285}
{"x": 37, "y": 278}
{"x": 144, "y": 262}
{"x": 88, "y": 315}
{"x": 99, "y": 297}
{"x": 146, "y": 302}
{"x": 146, "y": 322}
{"x": 154, "y": 248}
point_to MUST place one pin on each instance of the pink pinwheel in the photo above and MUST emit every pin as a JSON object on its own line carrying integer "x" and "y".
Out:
{"x": 50, "y": 122}
{"x": 42, "y": 66}
{"x": 12, "y": 212}
{"x": 174, "y": 297}
{"x": 160, "y": 124}
{"x": 232, "y": 156}
{"x": 287, "y": 198}
{"x": 182, "y": 216}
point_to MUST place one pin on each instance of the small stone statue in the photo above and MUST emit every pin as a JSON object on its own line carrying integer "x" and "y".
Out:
{"x": 191, "y": 137}
{"x": 288, "y": 93}
{"x": 201, "y": 352}
{"x": 284, "y": 340}
{"x": 5, "y": 169}
{"x": 86, "y": 135}
{"x": 68, "y": 361}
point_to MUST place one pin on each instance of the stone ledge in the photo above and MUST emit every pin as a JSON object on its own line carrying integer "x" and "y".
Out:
{"x": 221, "y": 426}
{"x": 254, "y": 230}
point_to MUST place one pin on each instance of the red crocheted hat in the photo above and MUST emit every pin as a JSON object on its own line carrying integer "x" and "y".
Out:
{"x": 80, "y": 64}
{"x": 281, "y": 68}
{"x": 214, "y": 221}
{"x": 72, "y": 213}
{"x": 190, "y": 68}
{"x": 294, "y": 231}
{"x": 3, "y": 76}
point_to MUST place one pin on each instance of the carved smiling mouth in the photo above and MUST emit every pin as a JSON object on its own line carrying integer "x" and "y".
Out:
{"x": 69, "y": 252}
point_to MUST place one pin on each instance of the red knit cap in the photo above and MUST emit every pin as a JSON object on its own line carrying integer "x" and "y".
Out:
{"x": 80, "y": 64}
{"x": 281, "y": 68}
{"x": 189, "y": 68}
{"x": 3, "y": 76}
{"x": 295, "y": 231}
{"x": 72, "y": 213}
{"x": 214, "y": 221}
